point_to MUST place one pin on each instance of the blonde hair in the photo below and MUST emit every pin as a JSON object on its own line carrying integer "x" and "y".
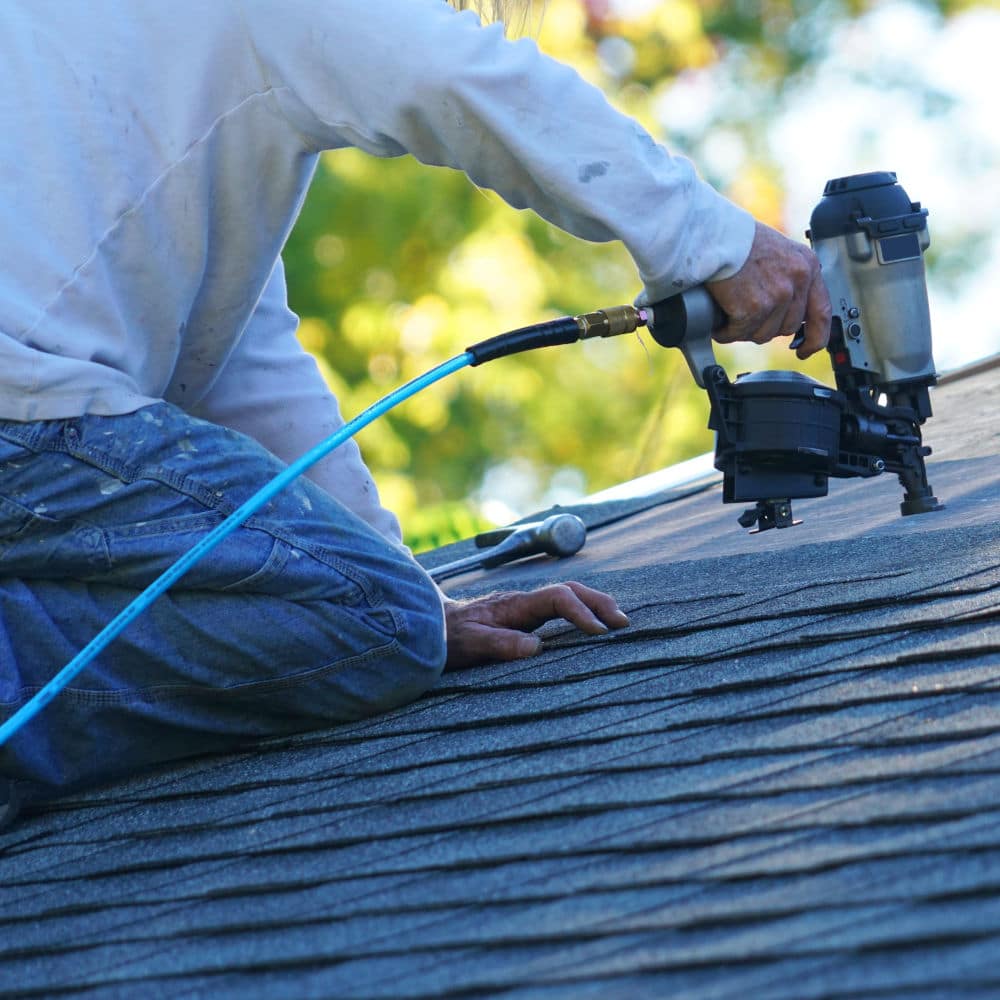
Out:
{"x": 513, "y": 13}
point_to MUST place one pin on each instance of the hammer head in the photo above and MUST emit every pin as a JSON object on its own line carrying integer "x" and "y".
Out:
{"x": 562, "y": 535}
{"x": 487, "y": 539}
{"x": 558, "y": 535}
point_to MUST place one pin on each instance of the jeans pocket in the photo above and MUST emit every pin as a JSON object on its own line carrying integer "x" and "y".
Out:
{"x": 34, "y": 546}
{"x": 141, "y": 551}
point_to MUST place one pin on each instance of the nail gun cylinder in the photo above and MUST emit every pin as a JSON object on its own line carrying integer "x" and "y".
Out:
{"x": 870, "y": 240}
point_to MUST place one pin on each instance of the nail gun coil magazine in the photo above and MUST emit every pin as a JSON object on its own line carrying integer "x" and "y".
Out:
{"x": 778, "y": 434}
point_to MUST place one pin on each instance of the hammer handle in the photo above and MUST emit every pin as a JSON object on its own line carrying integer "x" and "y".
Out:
{"x": 456, "y": 567}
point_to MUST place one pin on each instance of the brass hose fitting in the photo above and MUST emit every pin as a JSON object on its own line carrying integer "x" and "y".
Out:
{"x": 608, "y": 322}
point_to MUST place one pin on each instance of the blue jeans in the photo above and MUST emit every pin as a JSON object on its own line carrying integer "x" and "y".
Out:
{"x": 302, "y": 618}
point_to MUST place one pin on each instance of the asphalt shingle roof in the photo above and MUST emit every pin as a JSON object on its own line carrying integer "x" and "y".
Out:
{"x": 783, "y": 780}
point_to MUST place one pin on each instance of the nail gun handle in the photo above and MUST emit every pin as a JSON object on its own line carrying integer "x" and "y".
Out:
{"x": 687, "y": 321}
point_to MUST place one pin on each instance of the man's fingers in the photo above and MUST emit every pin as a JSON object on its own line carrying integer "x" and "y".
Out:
{"x": 778, "y": 315}
{"x": 485, "y": 643}
{"x": 604, "y": 606}
{"x": 566, "y": 603}
{"x": 589, "y": 610}
{"x": 770, "y": 327}
{"x": 471, "y": 643}
{"x": 500, "y": 627}
{"x": 794, "y": 315}
{"x": 819, "y": 314}
{"x": 778, "y": 287}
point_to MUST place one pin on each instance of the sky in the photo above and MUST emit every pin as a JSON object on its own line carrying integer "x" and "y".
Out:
{"x": 899, "y": 90}
{"x": 949, "y": 160}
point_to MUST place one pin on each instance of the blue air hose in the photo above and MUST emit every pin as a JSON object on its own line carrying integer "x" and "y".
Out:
{"x": 566, "y": 330}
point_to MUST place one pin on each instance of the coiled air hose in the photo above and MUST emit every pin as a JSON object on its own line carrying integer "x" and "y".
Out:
{"x": 605, "y": 323}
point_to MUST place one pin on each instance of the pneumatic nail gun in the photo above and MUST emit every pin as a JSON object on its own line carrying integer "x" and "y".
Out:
{"x": 780, "y": 435}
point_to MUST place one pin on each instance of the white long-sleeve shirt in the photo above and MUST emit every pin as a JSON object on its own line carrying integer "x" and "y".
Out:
{"x": 154, "y": 155}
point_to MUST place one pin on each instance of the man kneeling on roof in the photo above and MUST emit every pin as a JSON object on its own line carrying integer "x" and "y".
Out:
{"x": 155, "y": 158}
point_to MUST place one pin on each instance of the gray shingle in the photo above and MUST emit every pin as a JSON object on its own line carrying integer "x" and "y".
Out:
{"x": 782, "y": 781}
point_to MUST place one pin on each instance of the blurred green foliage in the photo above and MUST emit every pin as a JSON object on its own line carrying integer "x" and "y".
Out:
{"x": 395, "y": 267}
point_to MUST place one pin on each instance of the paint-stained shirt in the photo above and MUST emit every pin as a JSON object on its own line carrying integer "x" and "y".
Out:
{"x": 154, "y": 155}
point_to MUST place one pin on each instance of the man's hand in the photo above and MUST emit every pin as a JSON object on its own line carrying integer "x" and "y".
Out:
{"x": 499, "y": 627}
{"x": 777, "y": 289}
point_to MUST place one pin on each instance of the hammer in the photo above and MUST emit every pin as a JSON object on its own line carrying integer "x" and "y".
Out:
{"x": 558, "y": 535}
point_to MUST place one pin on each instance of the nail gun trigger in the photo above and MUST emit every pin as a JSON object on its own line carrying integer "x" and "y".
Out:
{"x": 798, "y": 338}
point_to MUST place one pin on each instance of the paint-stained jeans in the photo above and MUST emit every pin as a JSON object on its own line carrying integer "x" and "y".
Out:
{"x": 303, "y": 617}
